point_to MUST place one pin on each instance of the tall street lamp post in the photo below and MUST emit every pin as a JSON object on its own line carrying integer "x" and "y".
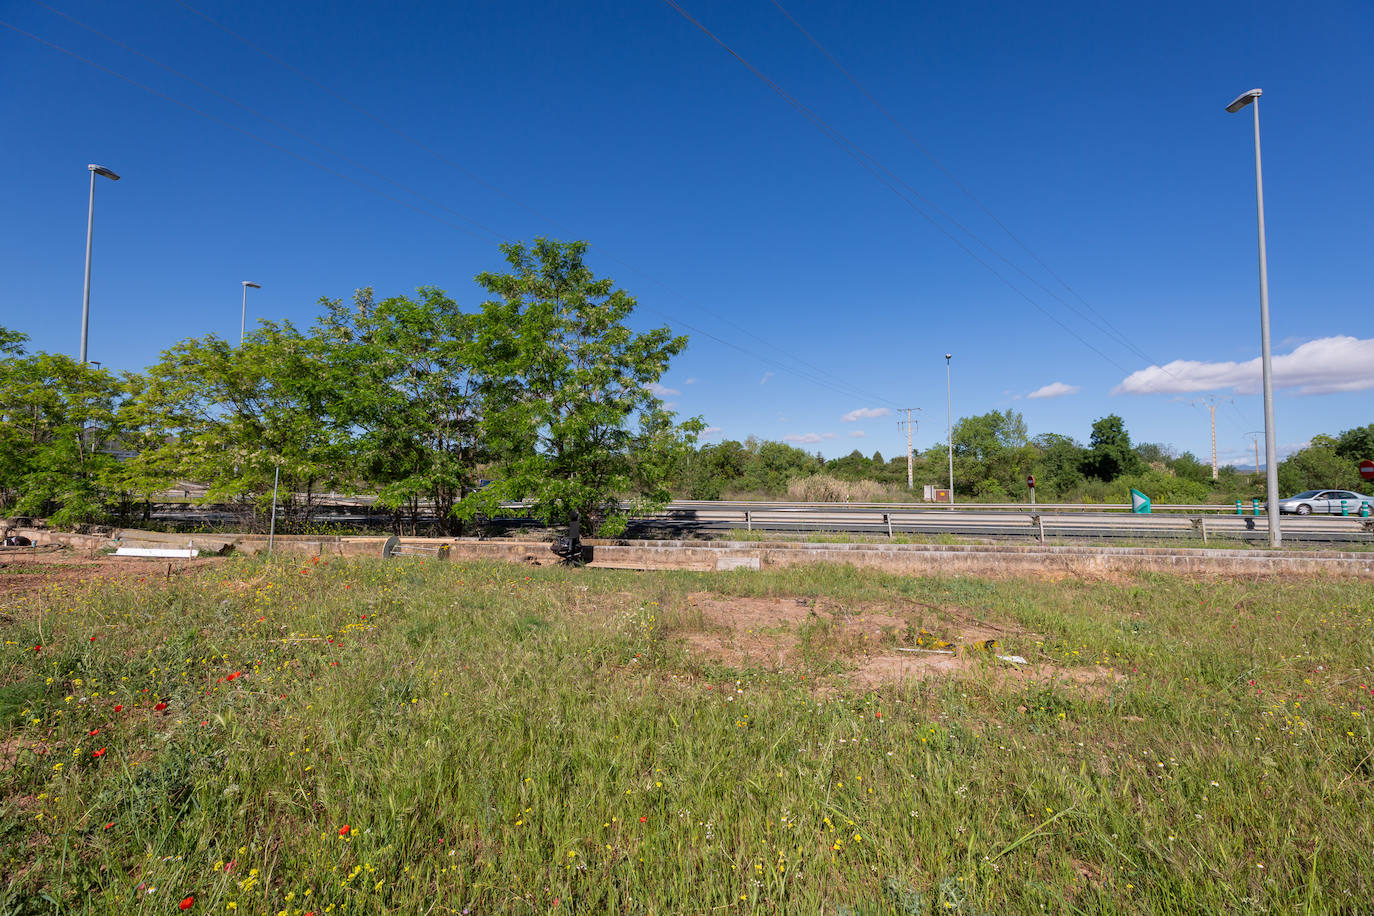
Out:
{"x": 949, "y": 429}
{"x": 1270, "y": 440}
{"x": 90, "y": 225}
{"x": 243, "y": 318}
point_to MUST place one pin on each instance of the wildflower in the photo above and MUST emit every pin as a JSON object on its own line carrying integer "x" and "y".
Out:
{"x": 94, "y": 731}
{"x": 343, "y": 831}
{"x": 99, "y": 753}
{"x": 109, "y": 825}
{"x": 119, "y": 708}
{"x": 186, "y": 903}
{"x": 643, "y": 819}
{"x": 160, "y": 706}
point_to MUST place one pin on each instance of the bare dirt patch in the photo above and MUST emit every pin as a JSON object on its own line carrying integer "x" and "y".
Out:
{"x": 25, "y": 571}
{"x": 874, "y": 645}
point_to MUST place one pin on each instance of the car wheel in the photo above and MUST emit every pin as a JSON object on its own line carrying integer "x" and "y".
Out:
{"x": 1304, "y": 509}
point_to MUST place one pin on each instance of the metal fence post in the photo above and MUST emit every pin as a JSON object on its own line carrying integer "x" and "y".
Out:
{"x": 272, "y": 527}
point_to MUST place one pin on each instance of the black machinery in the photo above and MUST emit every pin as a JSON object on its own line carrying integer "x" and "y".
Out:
{"x": 569, "y": 547}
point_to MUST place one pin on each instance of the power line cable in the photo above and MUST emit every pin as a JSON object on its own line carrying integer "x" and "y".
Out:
{"x": 1098, "y": 321}
{"x": 247, "y": 133}
{"x": 841, "y": 388}
{"x": 1110, "y": 329}
{"x": 819, "y": 371}
{"x": 877, "y": 170}
{"x": 275, "y": 123}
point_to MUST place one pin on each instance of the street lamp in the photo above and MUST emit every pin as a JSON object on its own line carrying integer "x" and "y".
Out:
{"x": 1270, "y": 447}
{"x": 243, "y": 319}
{"x": 90, "y": 224}
{"x": 949, "y": 429}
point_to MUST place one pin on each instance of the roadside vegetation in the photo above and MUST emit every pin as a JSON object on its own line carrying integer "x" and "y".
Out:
{"x": 409, "y": 737}
{"x": 542, "y": 393}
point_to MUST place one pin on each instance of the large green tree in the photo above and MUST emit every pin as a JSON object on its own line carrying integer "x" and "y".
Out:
{"x": 59, "y": 430}
{"x": 1109, "y": 453}
{"x": 570, "y": 399}
{"x": 232, "y": 416}
{"x": 411, "y": 383}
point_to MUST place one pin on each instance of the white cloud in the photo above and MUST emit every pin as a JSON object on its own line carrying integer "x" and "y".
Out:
{"x": 1323, "y": 366}
{"x": 711, "y": 431}
{"x": 690, "y": 381}
{"x": 1054, "y": 390}
{"x": 660, "y": 391}
{"x": 766, "y": 377}
{"x": 865, "y": 413}
{"x": 808, "y": 438}
{"x": 857, "y": 434}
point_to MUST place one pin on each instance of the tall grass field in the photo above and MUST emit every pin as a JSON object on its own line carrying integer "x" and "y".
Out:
{"x": 416, "y": 737}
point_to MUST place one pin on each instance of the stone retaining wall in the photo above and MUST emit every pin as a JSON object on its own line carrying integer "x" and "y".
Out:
{"x": 901, "y": 559}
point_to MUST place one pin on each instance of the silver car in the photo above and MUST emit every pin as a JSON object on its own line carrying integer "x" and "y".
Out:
{"x": 1325, "y": 502}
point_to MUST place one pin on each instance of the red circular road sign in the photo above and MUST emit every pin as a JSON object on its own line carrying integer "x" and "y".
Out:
{"x": 1030, "y": 481}
{"x": 1367, "y": 469}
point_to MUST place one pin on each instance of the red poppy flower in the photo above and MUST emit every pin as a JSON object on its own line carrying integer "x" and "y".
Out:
{"x": 186, "y": 903}
{"x": 99, "y": 753}
{"x": 160, "y": 707}
{"x": 38, "y": 648}
{"x": 119, "y": 708}
{"x": 234, "y": 675}
{"x": 94, "y": 731}
{"x": 343, "y": 831}
{"x": 109, "y": 825}
{"x": 643, "y": 819}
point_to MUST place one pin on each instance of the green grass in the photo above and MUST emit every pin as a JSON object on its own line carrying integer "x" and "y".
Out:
{"x": 506, "y": 740}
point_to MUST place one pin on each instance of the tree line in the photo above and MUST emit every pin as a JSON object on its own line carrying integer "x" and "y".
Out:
{"x": 542, "y": 393}
{"x": 994, "y": 454}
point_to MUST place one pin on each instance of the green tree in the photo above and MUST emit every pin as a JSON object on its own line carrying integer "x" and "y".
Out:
{"x": 58, "y": 426}
{"x": 230, "y": 416}
{"x": 1356, "y": 444}
{"x": 410, "y": 388}
{"x": 1057, "y": 466}
{"x": 1109, "y": 453}
{"x": 1318, "y": 466}
{"x": 571, "y": 377}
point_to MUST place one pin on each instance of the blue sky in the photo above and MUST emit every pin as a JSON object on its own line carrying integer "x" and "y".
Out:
{"x": 1094, "y": 132}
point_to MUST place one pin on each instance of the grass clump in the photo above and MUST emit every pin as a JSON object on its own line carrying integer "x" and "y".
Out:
{"x": 401, "y": 737}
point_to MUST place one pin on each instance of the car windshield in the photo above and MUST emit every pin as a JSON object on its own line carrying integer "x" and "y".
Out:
{"x": 1306, "y": 494}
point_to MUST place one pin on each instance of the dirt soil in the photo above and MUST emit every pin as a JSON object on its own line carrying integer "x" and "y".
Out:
{"x": 791, "y": 633}
{"x": 26, "y": 570}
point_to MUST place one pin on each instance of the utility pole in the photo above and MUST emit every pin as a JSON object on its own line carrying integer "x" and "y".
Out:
{"x": 1254, "y": 440}
{"x": 1211, "y": 401}
{"x": 908, "y": 423}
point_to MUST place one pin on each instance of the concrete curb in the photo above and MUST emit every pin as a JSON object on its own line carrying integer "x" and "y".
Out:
{"x": 900, "y": 559}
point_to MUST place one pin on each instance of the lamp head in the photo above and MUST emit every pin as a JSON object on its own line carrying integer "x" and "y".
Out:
{"x": 101, "y": 170}
{"x": 948, "y": 355}
{"x": 252, "y": 284}
{"x": 1244, "y": 99}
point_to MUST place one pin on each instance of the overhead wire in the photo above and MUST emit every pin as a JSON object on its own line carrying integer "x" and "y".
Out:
{"x": 837, "y": 386}
{"x": 234, "y": 127}
{"x": 877, "y": 170}
{"x": 419, "y": 144}
{"x": 1110, "y": 329}
{"x": 1106, "y": 327}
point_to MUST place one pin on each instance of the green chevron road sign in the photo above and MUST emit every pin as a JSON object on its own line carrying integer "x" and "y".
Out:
{"x": 1140, "y": 503}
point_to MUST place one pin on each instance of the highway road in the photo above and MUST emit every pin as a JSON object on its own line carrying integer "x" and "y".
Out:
{"x": 1022, "y": 523}
{"x": 1019, "y": 523}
